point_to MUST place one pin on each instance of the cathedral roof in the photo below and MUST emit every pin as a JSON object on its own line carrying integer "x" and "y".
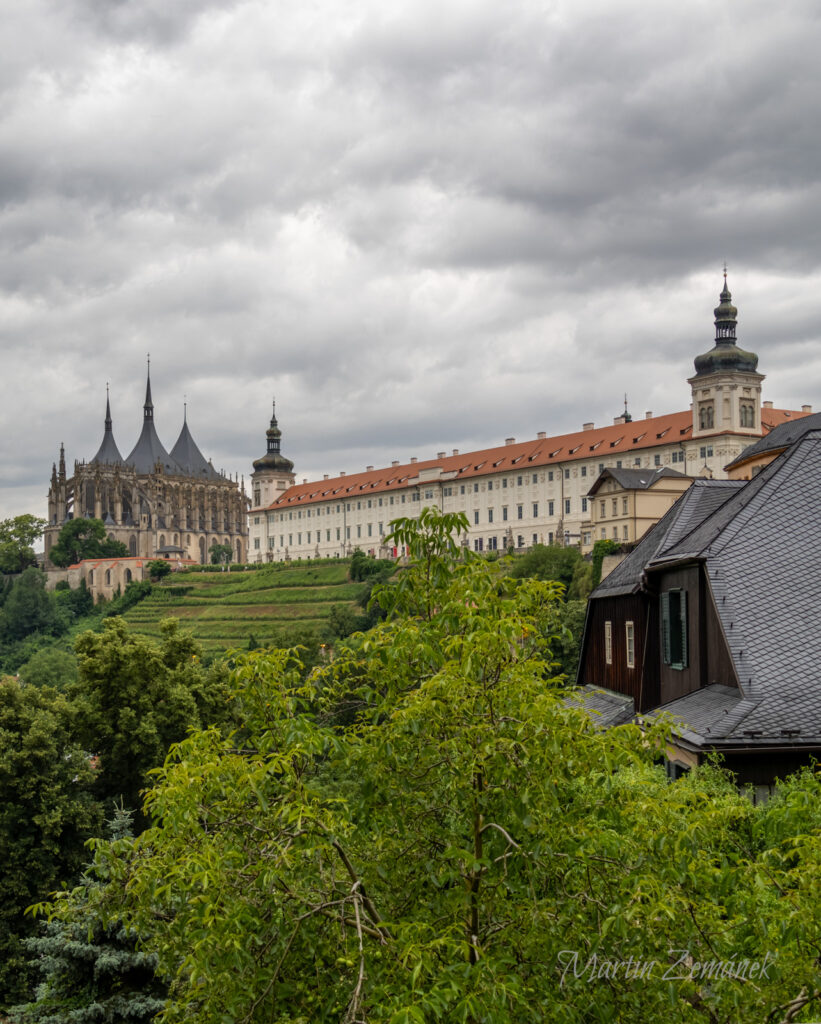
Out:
{"x": 108, "y": 451}
{"x": 149, "y": 450}
{"x": 189, "y": 458}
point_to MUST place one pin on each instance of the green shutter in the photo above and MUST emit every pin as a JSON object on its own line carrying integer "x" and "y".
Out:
{"x": 683, "y": 626}
{"x": 665, "y": 627}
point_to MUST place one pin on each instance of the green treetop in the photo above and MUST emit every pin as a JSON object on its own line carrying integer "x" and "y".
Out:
{"x": 429, "y": 830}
{"x": 84, "y": 538}
{"x": 16, "y": 539}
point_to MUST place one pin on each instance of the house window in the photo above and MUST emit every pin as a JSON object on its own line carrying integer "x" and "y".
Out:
{"x": 584, "y": 504}
{"x": 490, "y": 515}
{"x": 656, "y": 460}
{"x": 706, "y": 416}
{"x": 490, "y": 485}
{"x": 550, "y": 508}
{"x": 630, "y": 637}
{"x": 567, "y": 506}
{"x": 550, "y": 475}
{"x": 475, "y": 488}
{"x": 674, "y": 628}
{"x": 624, "y": 532}
{"x": 535, "y": 478}
{"x": 637, "y": 460}
{"x": 615, "y": 506}
{"x": 584, "y": 470}
{"x": 520, "y": 511}
{"x": 602, "y": 509}
{"x": 608, "y": 643}
{"x": 504, "y": 481}
{"x": 476, "y": 516}
{"x": 624, "y": 506}
{"x": 706, "y": 451}
{"x": 504, "y": 513}
{"x": 567, "y": 474}
{"x": 518, "y": 481}
{"x": 535, "y": 509}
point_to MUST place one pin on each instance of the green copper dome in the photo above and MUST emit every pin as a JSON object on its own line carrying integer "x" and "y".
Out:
{"x": 725, "y": 355}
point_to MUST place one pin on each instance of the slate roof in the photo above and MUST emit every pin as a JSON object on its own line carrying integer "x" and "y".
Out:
{"x": 605, "y": 707}
{"x": 759, "y": 552}
{"x": 779, "y": 437}
{"x": 108, "y": 450}
{"x": 698, "y": 502}
{"x": 635, "y": 479}
{"x": 189, "y": 458}
{"x": 149, "y": 450}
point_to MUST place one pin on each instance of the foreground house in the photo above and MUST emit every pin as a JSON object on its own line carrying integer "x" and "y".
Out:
{"x": 714, "y": 618}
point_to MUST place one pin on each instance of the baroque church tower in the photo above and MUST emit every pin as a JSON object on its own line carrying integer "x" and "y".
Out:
{"x": 159, "y": 504}
{"x": 726, "y": 387}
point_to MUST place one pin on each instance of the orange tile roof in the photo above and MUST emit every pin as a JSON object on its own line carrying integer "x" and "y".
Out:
{"x": 524, "y": 455}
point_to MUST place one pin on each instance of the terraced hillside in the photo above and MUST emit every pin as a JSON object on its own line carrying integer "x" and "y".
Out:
{"x": 223, "y": 610}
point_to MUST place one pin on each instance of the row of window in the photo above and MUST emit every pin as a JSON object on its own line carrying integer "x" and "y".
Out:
{"x": 673, "y": 633}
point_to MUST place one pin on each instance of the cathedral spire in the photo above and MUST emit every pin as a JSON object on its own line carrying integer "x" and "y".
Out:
{"x": 725, "y": 356}
{"x": 273, "y": 458}
{"x": 62, "y": 463}
{"x": 148, "y": 407}
{"x": 108, "y": 451}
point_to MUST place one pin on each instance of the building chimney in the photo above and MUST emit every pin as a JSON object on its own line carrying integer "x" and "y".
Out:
{"x": 767, "y": 405}
{"x": 305, "y": 479}
{"x": 369, "y": 469}
{"x": 455, "y": 451}
{"x": 440, "y": 455}
{"x": 618, "y": 420}
{"x": 395, "y": 462}
{"x": 541, "y": 435}
{"x": 342, "y": 473}
{"x": 648, "y": 415}
{"x": 413, "y": 460}
{"x": 806, "y": 408}
{"x": 587, "y": 426}
{"x": 510, "y": 440}
{"x": 325, "y": 477}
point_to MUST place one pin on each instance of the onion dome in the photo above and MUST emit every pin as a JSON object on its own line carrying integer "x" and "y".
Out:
{"x": 149, "y": 450}
{"x": 108, "y": 450}
{"x": 273, "y": 459}
{"x": 725, "y": 356}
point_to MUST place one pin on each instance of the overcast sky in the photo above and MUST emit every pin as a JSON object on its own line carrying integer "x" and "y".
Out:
{"x": 420, "y": 225}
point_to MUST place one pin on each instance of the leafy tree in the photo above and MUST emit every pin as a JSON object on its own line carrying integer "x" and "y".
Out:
{"x": 364, "y": 567}
{"x": 134, "y": 698}
{"x": 581, "y": 585}
{"x": 220, "y": 553}
{"x": 76, "y": 601}
{"x": 548, "y": 562}
{"x": 91, "y": 971}
{"x": 446, "y": 854}
{"x": 29, "y": 608}
{"x": 17, "y": 536}
{"x": 46, "y": 814}
{"x": 600, "y": 549}
{"x": 159, "y": 568}
{"x": 50, "y": 666}
{"x": 84, "y": 538}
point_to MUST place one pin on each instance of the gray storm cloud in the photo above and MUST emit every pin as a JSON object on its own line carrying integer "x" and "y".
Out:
{"x": 420, "y": 225}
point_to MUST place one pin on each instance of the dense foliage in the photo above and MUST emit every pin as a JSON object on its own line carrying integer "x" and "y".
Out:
{"x": 67, "y": 754}
{"x": 90, "y": 971}
{"x": 426, "y": 829}
{"x": 17, "y": 536}
{"x": 84, "y": 538}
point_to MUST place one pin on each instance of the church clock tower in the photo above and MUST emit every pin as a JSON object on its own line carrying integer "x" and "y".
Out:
{"x": 726, "y": 387}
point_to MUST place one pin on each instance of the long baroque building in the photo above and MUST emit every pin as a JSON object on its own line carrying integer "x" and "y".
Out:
{"x": 158, "y": 503}
{"x": 522, "y": 492}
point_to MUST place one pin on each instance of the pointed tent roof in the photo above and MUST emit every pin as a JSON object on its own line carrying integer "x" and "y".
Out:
{"x": 188, "y": 456}
{"x": 108, "y": 450}
{"x": 149, "y": 450}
